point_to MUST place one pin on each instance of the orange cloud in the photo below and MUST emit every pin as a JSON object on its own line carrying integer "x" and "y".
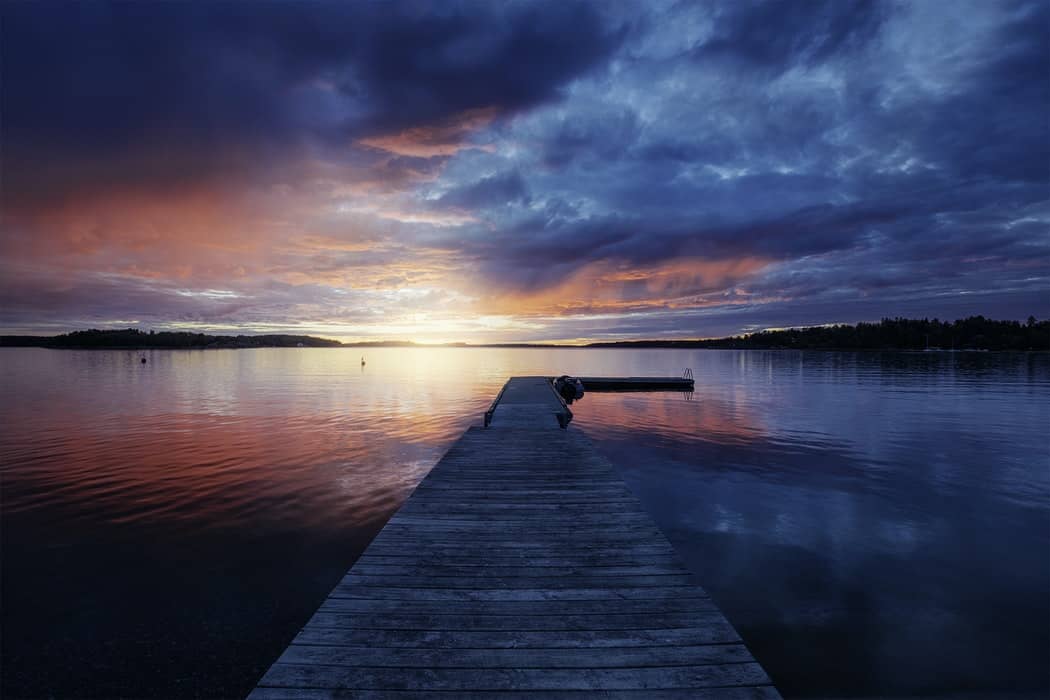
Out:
{"x": 617, "y": 287}
{"x": 445, "y": 139}
{"x": 199, "y": 233}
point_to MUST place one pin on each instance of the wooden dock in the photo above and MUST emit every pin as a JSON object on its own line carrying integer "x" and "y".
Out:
{"x": 599, "y": 384}
{"x": 520, "y": 566}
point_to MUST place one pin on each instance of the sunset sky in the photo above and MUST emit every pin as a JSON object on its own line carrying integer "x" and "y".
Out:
{"x": 520, "y": 171}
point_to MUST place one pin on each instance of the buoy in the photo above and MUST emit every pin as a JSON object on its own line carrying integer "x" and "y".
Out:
{"x": 143, "y": 360}
{"x": 362, "y": 362}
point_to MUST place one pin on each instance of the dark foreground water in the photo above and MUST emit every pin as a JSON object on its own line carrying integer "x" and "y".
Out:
{"x": 874, "y": 524}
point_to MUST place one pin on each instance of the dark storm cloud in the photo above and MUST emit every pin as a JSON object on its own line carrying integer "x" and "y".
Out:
{"x": 603, "y": 140}
{"x": 171, "y": 92}
{"x": 842, "y": 144}
{"x": 539, "y": 251}
{"x": 998, "y": 128}
{"x": 775, "y": 36}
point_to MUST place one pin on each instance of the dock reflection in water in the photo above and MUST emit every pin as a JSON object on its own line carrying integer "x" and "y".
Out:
{"x": 168, "y": 526}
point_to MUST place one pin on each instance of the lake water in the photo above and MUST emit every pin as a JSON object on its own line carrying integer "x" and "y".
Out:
{"x": 874, "y": 524}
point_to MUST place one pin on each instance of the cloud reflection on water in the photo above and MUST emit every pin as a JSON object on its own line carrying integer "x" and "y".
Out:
{"x": 873, "y": 523}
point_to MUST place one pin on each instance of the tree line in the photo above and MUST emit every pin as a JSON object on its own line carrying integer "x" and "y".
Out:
{"x": 973, "y": 333}
{"x": 133, "y": 338}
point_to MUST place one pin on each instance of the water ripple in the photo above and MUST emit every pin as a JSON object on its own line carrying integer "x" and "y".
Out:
{"x": 826, "y": 499}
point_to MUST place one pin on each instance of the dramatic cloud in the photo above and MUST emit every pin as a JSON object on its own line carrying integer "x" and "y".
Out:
{"x": 522, "y": 171}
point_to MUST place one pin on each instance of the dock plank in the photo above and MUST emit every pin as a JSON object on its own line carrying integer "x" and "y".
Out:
{"x": 715, "y": 632}
{"x": 517, "y": 607}
{"x": 632, "y": 657}
{"x": 521, "y": 564}
{"x": 756, "y": 692}
{"x": 283, "y": 674}
{"x": 511, "y": 623}
{"x": 492, "y": 594}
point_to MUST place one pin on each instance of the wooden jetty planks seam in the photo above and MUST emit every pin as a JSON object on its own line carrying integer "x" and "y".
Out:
{"x": 520, "y": 564}
{"x": 744, "y": 692}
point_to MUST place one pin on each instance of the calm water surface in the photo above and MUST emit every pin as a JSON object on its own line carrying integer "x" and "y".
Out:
{"x": 874, "y": 524}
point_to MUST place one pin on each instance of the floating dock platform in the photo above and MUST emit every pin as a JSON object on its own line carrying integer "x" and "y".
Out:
{"x": 599, "y": 384}
{"x": 520, "y": 566}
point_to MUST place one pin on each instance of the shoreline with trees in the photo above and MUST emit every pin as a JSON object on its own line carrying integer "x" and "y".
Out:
{"x": 975, "y": 333}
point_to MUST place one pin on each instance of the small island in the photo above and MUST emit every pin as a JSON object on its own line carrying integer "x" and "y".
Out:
{"x": 132, "y": 339}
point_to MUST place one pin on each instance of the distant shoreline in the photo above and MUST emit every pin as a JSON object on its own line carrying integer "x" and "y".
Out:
{"x": 910, "y": 351}
{"x": 973, "y": 334}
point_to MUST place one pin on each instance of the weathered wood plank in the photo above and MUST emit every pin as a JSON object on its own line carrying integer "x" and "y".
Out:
{"x": 523, "y": 535}
{"x": 430, "y": 545}
{"x": 631, "y": 657}
{"x": 522, "y": 570}
{"x": 758, "y": 692}
{"x": 524, "y": 509}
{"x": 713, "y": 632}
{"x": 508, "y": 571}
{"x": 536, "y": 547}
{"x": 438, "y": 499}
{"x": 444, "y": 488}
{"x": 521, "y": 519}
{"x": 495, "y": 594}
{"x": 512, "y": 623}
{"x": 524, "y": 531}
{"x": 500, "y": 552}
{"x": 481, "y": 478}
{"x": 517, "y": 607}
{"x": 321, "y": 676}
{"x": 477, "y": 582}
{"x": 484, "y": 560}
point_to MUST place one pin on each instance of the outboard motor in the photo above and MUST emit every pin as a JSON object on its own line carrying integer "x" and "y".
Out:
{"x": 569, "y": 388}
